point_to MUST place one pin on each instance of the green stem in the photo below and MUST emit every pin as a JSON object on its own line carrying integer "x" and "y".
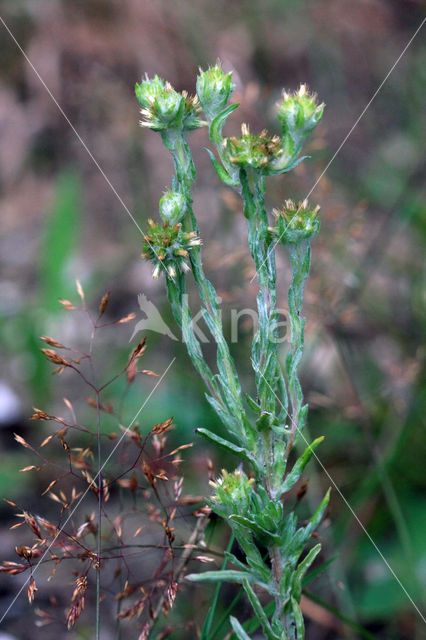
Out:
{"x": 264, "y": 353}
{"x": 300, "y": 258}
{"x": 182, "y": 315}
{"x": 230, "y": 394}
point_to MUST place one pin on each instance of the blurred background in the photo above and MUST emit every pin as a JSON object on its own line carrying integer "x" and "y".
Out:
{"x": 62, "y": 220}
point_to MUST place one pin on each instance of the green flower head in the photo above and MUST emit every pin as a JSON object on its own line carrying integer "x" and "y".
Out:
{"x": 263, "y": 153}
{"x": 295, "y": 222}
{"x": 233, "y": 490}
{"x": 168, "y": 247}
{"x": 299, "y": 113}
{"x": 164, "y": 108}
{"x": 214, "y": 88}
{"x": 148, "y": 90}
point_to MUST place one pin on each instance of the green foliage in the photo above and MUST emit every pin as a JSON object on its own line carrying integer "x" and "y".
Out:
{"x": 60, "y": 239}
{"x": 298, "y": 468}
{"x": 239, "y": 631}
{"x": 252, "y": 503}
{"x": 12, "y": 481}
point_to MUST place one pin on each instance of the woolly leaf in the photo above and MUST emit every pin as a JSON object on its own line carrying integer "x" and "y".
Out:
{"x": 259, "y": 531}
{"x": 317, "y": 517}
{"x": 217, "y": 124}
{"x": 265, "y": 420}
{"x": 238, "y": 630}
{"x": 252, "y": 404}
{"x": 293, "y": 165}
{"x": 260, "y": 613}
{"x": 298, "y": 618}
{"x": 299, "y": 466}
{"x": 302, "y": 569}
{"x": 222, "y": 443}
{"x": 316, "y": 572}
{"x": 221, "y": 171}
{"x": 228, "y": 575}
{"x": 228, "y": 420}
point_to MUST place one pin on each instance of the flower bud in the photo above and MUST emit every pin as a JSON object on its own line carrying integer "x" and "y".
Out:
{"x": 214, "y": 88}
{"x": 295, "y": 222}
{"x": 172, "y": 207}
{"x": 148, "y": 90}
{"x": 169, "y": 106}
{"x": 299, "y": 113}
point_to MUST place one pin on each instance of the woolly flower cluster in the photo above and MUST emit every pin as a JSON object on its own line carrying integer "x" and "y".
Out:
{"x": 295, "y": 222}
{"x": 232, "y": 490}
{"x": 167, "y": 247}
{"x": 258, "y": 152}
{"x": 164, "y": 108}
{"x": 299, "y": 113}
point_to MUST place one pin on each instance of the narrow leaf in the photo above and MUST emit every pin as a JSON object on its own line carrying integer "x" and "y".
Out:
{"x": 228, "y": 420}
{"x": 303, "y": 567}
{"x": 276, "y": 172}
{"x": 298, "y": 618}
{"x": 217, "y": 124}
{"x": 226, "y": 445}
{"x": 258, "y": 530}
{"x": 253, "y": 623}
{"x": 238, "y": 630}
{"x": 252, "y": 404}
{"x": 260, "y": 613}
{"x": 228, "y": 575}
{"x": 234, "y": 560}
{"x": 221, "y": 171}
{"x": 299, "y": 466}
{"x": 316, "y": 572}
{"x": 317, "y": 517}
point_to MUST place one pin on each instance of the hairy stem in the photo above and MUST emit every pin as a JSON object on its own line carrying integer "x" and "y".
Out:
{"x": 300, "y": 257}
{"x": 232, "y": 398}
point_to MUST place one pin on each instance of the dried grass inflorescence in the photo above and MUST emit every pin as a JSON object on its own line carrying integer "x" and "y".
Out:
{"x": 103, "y": 512}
